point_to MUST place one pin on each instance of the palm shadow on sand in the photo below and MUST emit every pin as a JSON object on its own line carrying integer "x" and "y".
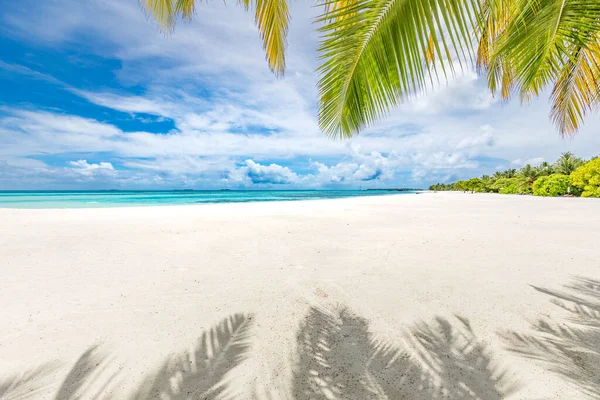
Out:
{"x": 570, "y": 349}
{"x": 28, "y": 384}
{"x": 338, "y": 358}
{"x": 196, "y": 374}
{"x": 200, "y": 374}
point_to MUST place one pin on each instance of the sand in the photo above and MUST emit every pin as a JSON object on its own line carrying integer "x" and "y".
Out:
{"x": 428, "y": 296}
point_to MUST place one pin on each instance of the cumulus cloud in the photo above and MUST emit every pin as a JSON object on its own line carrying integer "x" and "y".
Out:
{"x": 431, "y": 167}
{"x": 85, "y": 168}
{"x": 264, "y": 174}
{"x": 363, "y": 167}
{"x": 483, "y": 140}
{"x": 29, "y": 174}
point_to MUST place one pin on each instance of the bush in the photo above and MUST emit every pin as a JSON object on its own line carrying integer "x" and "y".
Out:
{"x": 551, "y": 185}
{"x": 587, "y": 178}
{"x": 473, "y": 184}
{"x": 460, "y": 185}
{"x": 509, "y": 186}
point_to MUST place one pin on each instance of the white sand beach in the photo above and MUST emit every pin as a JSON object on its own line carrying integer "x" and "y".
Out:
{"x": 428, "y": 296}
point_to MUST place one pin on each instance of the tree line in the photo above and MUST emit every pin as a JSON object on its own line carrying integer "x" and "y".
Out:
{"x": 569, "y": 175}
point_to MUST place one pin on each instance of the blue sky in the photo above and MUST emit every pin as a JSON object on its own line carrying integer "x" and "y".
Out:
{"x": 94, "y": 96}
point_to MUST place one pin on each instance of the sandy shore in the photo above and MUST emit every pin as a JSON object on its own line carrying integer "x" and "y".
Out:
{"x": 397, "y": 297}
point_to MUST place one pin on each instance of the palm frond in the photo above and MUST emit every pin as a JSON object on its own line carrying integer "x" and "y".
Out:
{"x": 271, "y": 16}
{"x": 494, "y": 18}
{"x": 334, "y": 9}
{"x": 541, "y": 37}
{"x": 375, "y": 55}
{"x": 166, "y": 12}
{"x": 576, "y": 89}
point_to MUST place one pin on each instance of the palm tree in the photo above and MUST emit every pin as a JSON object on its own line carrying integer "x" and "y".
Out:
{"x": 567, "y": 163}
{"x": 545, "y": 169}
{"x": 378, "y": 53}
{"x": 509, "y": 173}
{"x": 486, "y": 182}
{"x": 527, "y": 175}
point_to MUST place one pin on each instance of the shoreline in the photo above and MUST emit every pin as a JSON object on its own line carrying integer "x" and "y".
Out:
{"x": 124, "y": 205}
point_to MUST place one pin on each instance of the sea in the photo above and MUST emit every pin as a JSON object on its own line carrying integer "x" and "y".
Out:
{"x": 118, "y": 198}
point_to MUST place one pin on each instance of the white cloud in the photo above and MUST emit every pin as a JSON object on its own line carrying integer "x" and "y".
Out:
{"x": 85, "y": 168}
{"x": 363, "y": 167}
{"x": 130, "y": 104}
{"x": 463, "y": 93}
{"x": 534, "y": 162}
{"x": 485, "y": 139}
{"x": 183, "y": 164}
{"x": 266, "y": 174}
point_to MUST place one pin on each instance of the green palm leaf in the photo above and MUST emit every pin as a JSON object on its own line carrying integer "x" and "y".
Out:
{"x": 376, "y": 54}
{"x": 576, "y": 89}
{"x": 271, "y": 16}
{"x": 528, "y": 45}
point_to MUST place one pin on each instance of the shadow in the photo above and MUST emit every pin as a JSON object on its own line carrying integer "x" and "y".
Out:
{"x": 463, "y": 364}
{"x": 338, "y": 358}
{"x": 570, "y": 349}
{"x": 200, "y": 374}
{"x": 86, "y": 373}
{"x": 27, "y": 385}
{"x": 197, "y": 374}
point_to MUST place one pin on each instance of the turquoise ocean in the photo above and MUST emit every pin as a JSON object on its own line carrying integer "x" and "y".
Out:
{"x": 117, "y": 198}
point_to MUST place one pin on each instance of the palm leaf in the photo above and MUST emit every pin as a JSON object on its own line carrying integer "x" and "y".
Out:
{"x": 271, "y": 16}
{"x": 494, "y": 18}
{"x": 165, "y": 12}
{"x": 542, "y": 36}
{"x": 375, "y": 55}
{"x": 576, "y": 89}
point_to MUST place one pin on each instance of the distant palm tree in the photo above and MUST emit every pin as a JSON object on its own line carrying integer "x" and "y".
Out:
{"x": 486, "y": 183}
{"x": 378, "y": 53}
{"x": 545, "y": 169}
{"x": 526, "y": 177}
{"x": 509, "y": 173}
{"x": 567, "y": 163}
{"x": 529, "y": 174}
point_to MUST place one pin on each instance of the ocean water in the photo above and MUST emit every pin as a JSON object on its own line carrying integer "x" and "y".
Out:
{"x": 89, "y": 199}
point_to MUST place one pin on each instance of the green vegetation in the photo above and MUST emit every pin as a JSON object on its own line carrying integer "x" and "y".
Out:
{"x": 378, "y": 53}
{"x": 552, "y": 185}
{"x": 587, "y": 178}
{"x": 569, "y": 175}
